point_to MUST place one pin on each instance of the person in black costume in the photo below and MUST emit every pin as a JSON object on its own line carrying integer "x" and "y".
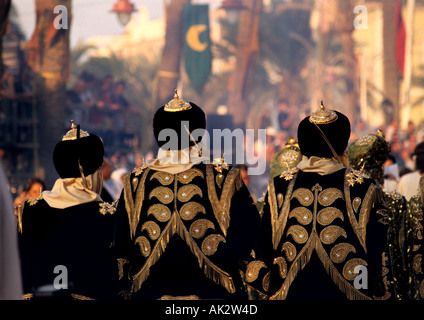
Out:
{"x": 323, "y": 236}
{"x": 66, "y": 234}
{"x": 185, "y": 226}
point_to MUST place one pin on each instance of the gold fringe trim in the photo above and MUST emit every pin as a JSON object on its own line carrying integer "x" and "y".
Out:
{"x": 176, "y": 226}
{"x": 221, "y": 207}
{"x": 133, "y": 206}
{"x": 303, "y": 259}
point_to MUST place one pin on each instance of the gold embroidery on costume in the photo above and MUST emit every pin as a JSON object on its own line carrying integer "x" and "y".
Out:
{"x": 160, "y": 211}
{"x": 290, "y": 250}
{"x": 188, "y": 175}
{"x": 144, "y": 245}
{"x": 189, "y": 210}
{"x": 175, "y": 225}
{"x": 221, "y": 206}
{"x": 330, "y": 234}
{"x": 340, "y": 251}
{"x": 133, "y": 206}
{"x": 266, "y": 281}
{"x": 349, "y": 267}
{"x": 219, "y": 179}
{"x": 328, "y": 215}
{"x": 253, "y": 269}
{"x": 302, "y": 214}
{"x": 304, "y": 196}
{"x": 210, "y": 244}
{"x": 360, "y": 225}
{"x": 416, "y": 263}
{"x": 164, "y": 194}
{"x": 280, "y": 200}
{"x": 107, "y": 208}
{"x": 152, "y": 229}
{"x": 279, "y": 219}
{"x": 282, "y": 266}
{"x": 34, "y": 201}
{"x": 164, "y": 178}
{"x": 185, "y": 193}
{"x": 328, "y": 196}
{"x": 299, "y": 234}
{"x": 356, "y": 203}
{"x": 199, "y": 227}
{"x": 191, "y": 297}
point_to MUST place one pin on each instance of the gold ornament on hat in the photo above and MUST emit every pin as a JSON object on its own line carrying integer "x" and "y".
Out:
{"x": 323, "y": 115}
{"x": 72, "y": 134}
{"x": 177, "y": 104}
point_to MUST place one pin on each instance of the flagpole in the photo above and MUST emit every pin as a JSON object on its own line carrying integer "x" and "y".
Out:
{"x": 410, "y": 7}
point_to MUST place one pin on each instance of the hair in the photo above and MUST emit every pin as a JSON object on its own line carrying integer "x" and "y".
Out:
{"x": 33, "y": 181}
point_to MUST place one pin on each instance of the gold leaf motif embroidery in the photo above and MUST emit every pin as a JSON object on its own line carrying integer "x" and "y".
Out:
{"x": 328, "y": 215}
{"x": 253, "y": 269}
{"x": 303, "y": 215}
{"x": 188, "y": 175}
{"x": 164, "y": 178}
{"x": 290, "y": 250}
{"x": 299, "y": 234}
{"x": 282, "y": 266}
{"x": 219, "y": 179}
{"x": 164, "y": 194}
{"x": 33, "y": 201}
{"x": 185, "y": 193}
{"x": 106, "y": 208}
{"x": 280, "y": 200}
{"x": 416, "y": 263}
{"x": 330, "y": 234}
{"x": 340, "y": 251}
{"x": 199, "y": 227}
{"x": 356, "y": 203}
{"x": 210, "y": 244}
{"x": 144, "y": 245}
{"x": 328, "y": 196}
{"x": 349, "y": 267}
{"x": 152, "y": 229}
{"x": 304, "y": 196}
{"x": 161, "y": 212}
{"x": 189, "y": 210}
{"x": 266, "y": 280}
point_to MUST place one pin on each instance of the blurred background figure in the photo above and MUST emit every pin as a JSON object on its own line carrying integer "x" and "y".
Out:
{"x": 33, "y": 188}
{"x": 391, "y": 174}
{"x": 408, "y": 183}
{"x": 111, "y": 189}
{"x": 10, "y": 275}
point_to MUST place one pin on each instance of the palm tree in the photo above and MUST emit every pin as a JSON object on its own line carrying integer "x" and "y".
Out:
{"x": 48, "y": 56}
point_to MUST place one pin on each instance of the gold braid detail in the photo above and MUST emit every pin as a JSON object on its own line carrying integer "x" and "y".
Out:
{"x": 221, "y": 207}
{"x": 133, "y": 207}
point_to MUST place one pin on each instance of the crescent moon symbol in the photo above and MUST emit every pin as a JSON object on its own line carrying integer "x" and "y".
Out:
{"x": 192, "y": 37}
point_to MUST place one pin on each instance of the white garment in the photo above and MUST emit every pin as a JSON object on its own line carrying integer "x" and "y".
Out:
{"x": 408, "y": 184}
{"x": 10, "y": 267}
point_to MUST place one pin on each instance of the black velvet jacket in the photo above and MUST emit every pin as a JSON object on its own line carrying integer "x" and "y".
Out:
{"x": 185, "y": 235}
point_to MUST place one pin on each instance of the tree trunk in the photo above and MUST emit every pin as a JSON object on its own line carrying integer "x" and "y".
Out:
{"x": 247, "y": 51}
{"x": 169, "y": 68}
{"x": 344, "y": 27}
{"x": 48, "y": 56}
{"x": 5, "y": 6}
{"x": 391, "y": 71}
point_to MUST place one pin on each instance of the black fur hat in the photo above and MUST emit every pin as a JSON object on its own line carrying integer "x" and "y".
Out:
{"x": 78, "y": 145}
{"x": 334, "y": 125}
{"x": 178, "y": 115}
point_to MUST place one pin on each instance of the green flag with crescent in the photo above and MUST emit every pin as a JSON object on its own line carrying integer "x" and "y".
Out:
{"x": 197, "y": 44}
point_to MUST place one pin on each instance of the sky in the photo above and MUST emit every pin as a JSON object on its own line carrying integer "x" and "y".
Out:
{"x": 89, "y": 17}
